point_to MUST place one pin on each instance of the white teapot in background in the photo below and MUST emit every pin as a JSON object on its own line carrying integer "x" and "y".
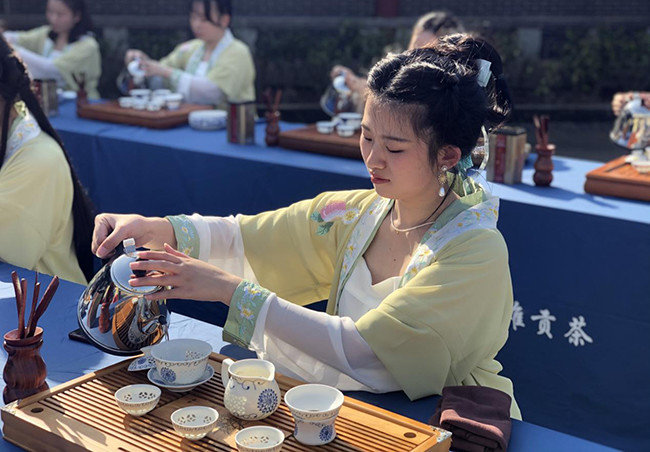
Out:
{"x": 251, "y": 391}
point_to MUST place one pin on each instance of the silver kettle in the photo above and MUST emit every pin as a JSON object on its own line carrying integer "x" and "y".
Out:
{"x": 114, "y": 315}
{"x": 632, "y": 127}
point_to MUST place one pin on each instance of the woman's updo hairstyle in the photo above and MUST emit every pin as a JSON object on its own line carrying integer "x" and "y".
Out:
{"x": 15, "y": 85}
{"x": 438, "y": 88}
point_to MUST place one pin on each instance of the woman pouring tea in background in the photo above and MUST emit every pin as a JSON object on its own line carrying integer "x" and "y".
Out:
{"x": 45, "y": 215}
{"x": 428, "y": 28}
{"x": 215, "y": 68}
{"x": 415, "y": 271}
{"x": 62, "y": 49}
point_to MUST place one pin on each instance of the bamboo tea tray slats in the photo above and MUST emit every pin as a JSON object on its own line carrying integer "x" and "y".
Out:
{"x": 310, "y": 140}
{"x": 82, "y": 415}
{"x": 110, "y": 111}
{"x": 618, "y": 178}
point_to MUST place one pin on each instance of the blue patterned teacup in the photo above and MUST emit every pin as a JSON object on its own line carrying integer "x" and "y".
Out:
{"x": 314, "y": 408}
{"x": 251, "y": 391}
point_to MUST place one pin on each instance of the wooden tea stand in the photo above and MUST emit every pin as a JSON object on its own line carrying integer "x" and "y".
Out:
{"x": 83, "y": 415}
{"x": 618, "y": 178}
{"x": 110, "y": 111}
{"x": 309, "y": 139}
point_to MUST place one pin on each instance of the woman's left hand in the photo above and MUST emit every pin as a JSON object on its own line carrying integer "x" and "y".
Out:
{"x": 153, "y": 68}
{"x": 189, "y": 278}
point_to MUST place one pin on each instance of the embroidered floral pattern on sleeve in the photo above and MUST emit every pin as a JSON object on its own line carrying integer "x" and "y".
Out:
{"x": 247, "y": 301}
{"x": 331, "y": 212}
{"x": 187, "y": 237}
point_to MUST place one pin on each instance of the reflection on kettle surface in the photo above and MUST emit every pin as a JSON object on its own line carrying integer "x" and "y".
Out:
{"x": 115, "y": 315}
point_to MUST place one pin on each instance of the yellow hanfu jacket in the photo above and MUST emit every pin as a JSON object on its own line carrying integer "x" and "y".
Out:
{"x": 233, "y": 71}
{"x": 447, "y": 320}
{"x": 36, "y": 194}
{"x": 81, "y": 56}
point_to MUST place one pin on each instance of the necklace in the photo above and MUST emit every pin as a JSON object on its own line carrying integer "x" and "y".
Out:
{"x": 426, "y": 223}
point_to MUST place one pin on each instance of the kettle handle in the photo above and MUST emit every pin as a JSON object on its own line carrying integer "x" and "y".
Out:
{"x": 225, "y": 368}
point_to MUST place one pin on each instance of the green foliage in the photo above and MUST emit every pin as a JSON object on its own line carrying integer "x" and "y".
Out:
{"x": 587, "y": 65}
{"x": 299, "y": 61}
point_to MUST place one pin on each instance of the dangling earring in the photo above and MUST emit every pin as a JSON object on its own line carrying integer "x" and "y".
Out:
{"x": 442, "y": 179}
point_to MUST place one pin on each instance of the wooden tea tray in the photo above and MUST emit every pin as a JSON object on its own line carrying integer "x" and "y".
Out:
{"x": 82, "y": 415}
{"x": 618, "y": 178}
{"x": 110, "y": 111}
{"x": 309, "y": 139}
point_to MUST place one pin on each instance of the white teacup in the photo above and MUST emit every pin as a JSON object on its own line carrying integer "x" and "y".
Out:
{"x": 314, "y": 408}
{"x": 161, "y": 93}
{"x": 345, "y": 130}
{"x": 325, "y": 126}
{"x": 250, "y": 389}
{"x": 138, "y": 400}
{"x": 141, "y": 93}
{"x": 125, "y": 102}
{"x": 181, "y": 361}
{"x": 173, "y": 101}
{"x": 194, "y": 422}
{"x": 351, "y": 119}
{"x": 259, "y": 438}
{"x": 139, "y": 103}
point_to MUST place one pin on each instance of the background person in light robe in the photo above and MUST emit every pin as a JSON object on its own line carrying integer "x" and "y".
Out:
{"x": 215, "y": 68}
{"x": 426, "y": 31}
{"x": 63, "y": 48}
{"x": 415, "y": 271}
{"x": 45, "y": 216}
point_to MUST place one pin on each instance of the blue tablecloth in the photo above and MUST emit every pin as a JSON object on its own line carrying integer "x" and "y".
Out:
{"x": 66, "y": 359}
{"x": 579, "y": 263}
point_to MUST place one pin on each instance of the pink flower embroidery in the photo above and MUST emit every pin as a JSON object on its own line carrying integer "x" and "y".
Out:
{"x": 332, "y": 211}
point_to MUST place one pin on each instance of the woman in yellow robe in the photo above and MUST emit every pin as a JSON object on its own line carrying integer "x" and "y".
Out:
{"x": 415, "y": 271}
{"x": 63, "y": 49}
{"x": 215, "y": 68}
{"x": 45, "y": 215}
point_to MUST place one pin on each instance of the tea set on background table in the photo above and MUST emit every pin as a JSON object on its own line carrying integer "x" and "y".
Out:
{"x": 118, "y": 319}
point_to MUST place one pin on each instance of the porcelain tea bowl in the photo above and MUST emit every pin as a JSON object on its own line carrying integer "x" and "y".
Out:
{"x": 181, "y": 361}
{"x": 140, "y": 93}
{"x": 351, "y": 119}
{"x": 250, "y": 389}
{"x": 125, "y": 102}
{"x": 259, "y": 438}
{"x": 207, "y": 119}
{"x": 314, "y": 408}
{"x": 325, "y": 126}
{"x": 173, "y": 101}
{"x": 345, "y": 130}
{"x": 137, "y": 400}
{"x": 194, "y": 422}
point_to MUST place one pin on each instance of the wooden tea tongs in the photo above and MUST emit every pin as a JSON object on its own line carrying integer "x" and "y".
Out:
{"x": 37, "y": 309}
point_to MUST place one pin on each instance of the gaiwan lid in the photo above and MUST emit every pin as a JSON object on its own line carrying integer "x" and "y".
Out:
{"x": 121, "y": 271}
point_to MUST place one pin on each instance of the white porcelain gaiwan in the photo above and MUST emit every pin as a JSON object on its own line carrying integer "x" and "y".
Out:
{"x": 137, "y": 400}
{"x": 181, "y": 361}
{"x": 314, "y": 408}
{"x": 194, "y": 422}
{"x": 251, "y": 391}
{"x": 259, "y": 438}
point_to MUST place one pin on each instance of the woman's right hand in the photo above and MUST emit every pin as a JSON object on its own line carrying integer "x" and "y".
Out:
{"x": 340, "y": 69}
{"x": 132, "y": 54}
{"x": 111, "y": 229}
